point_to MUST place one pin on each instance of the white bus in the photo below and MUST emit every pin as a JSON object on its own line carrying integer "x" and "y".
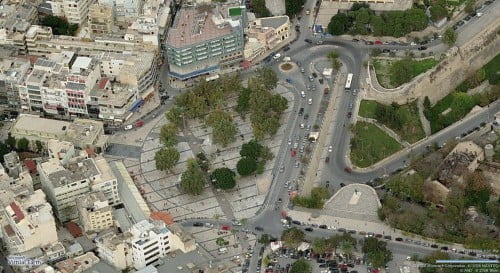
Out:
{"x": 348, "y": 82}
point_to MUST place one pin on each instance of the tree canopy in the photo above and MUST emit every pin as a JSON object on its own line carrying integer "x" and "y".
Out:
{"x": 301, "y": 266}
{"x": 23, "y": 145}
{"x": 168, "y": 135}
{"x": 166, "y": 158}
{"x": 223, "y": 128}
{"x": 193, "y": 179}
{"x": 59, "y": 25}
{"x": 246, "y": 166}
{"x": 378, "y": 254}
{"x": 363, "y": 21}
{"x": 450, "y": 37}
{"x": 293, "y": 7}
{"x": 260, "y": 9}
{"x": 224, "y": 178}
{"x": 292, "y": 237}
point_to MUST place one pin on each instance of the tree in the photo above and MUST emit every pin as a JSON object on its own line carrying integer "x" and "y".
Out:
{"x": 427, "y": 103}
{"x": 339, "y": 24}
{"x": 347, "y": 248}
{"x": 224, "y": 132}
{"x": 175, "y": 116}
{"x": 168, "y": 135}
{"x": 251, "y": 149}
{"x": 301, "y": 266}
{"x": 450, "y": 37}
{"x": 333, "y": 57}
{"x": 438, "y": 10}
{"x": 267, "y": 77}
{"x": 243, "y": 103}
{"x": 293, "y": 7}
{"x": 469, "y": 6}
{"x": 265, "y": 239}
{"x": 260, "y": 9}
{"x": 477, "y": 191}
{"x": 202, "y": 160}
{"x": 246, "y": 166}
{"x": 402, "y": 72}
{"x": 320, "y": 245}
{"x": 378, "y": 254}
{"x": 4, "y": 149}
{"x": 193, "y": 180}
{"x": 223, "y": 178}
{"x": 166, "y": 158}
{"x": 292, "y": 237}
{"x": 11, "y": 141}
{"x": 39, "y": 146}
{"x": 23, "y": 145}
{"x": 59, "y": 25}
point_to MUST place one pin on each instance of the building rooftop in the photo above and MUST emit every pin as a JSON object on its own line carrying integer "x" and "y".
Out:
{"x": 194, "y": 25}
{"x": 60, "y": 175}
{"x": 274, "y": 22}
{"x": 95, "y": 201}
{"x": 36, "y": 123}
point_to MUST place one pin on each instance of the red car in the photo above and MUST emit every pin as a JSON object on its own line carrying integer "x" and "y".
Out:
{"x": 378, "y": 42}
{"x": 225, "y": 227}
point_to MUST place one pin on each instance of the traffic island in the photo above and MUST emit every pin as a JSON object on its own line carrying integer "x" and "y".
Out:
{"x": 286, "y": 66}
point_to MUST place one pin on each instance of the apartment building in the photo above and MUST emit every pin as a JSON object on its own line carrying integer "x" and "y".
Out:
{"x": 13, "y": 72}
{"x": 115, "y": 100}
{"x": 76, "y": 11}
{"x": 95, "y": 213}
{"x": 15, "y": 20}
{"x": 101, "y": 19}
{"x": 205, "y": 39}
{"x": 150, "y": 242}
{"x": 27, "y": 221}
{"x": 115, "y": 249}
{"x": 106, "y": 182}
{"x": 64, "y": 184}
{"x": 82, "y": 133}
{"x": 126, "y": 11}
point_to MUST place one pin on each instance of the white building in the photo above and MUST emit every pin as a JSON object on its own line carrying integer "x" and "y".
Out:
{"x": 150, "y": 242}
{"x": 115, "y": 249}
{"x": 76, "y": 11}
{"x": 27, "y": 222}
{"x": 106, "y": 182}
{"x": 61, "y": 150}
{"x": 94, "y": 212}
{"x": 64, "y": 184}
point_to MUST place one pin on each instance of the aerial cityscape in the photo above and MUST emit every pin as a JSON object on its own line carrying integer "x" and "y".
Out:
{"x": 262, "y": 136}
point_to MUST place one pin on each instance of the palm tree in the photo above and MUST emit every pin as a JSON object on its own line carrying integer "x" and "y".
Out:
{"x": 347, "y": 248}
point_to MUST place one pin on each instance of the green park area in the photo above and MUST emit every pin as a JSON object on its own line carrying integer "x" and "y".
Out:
{"x": 370, "y": 144}
{"x": 402, "y": 119}
{"x": 394, "y": 73}
{"x": 458, "y": 104}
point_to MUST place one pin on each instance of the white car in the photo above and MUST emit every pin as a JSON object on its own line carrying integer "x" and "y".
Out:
{"x": 302, "y": 70}
{"x": 128, "y": 127}
{"x": 330, "y": 149}
{"x": 277, "y": 56}
{"x": 310, "y": 101}
{"x": 302, "y": 126}
{"x": 303, "y": 94}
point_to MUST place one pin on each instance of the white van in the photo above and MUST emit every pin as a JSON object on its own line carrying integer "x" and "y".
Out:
{"x": 222, "y": 250}
{"x": 128, "y": 127}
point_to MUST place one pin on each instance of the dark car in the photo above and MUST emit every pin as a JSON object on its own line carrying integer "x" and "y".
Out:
{"x": 349, "y": 114}
{"x": 342, "y": 185}
{"x": 323, "y": 265}
{"x": 341, "y": 230}
{"x": 434, "y": 246}
{"x": 351, "y": 231}
{"x": 468, "y": 17}
{"x": 327, "y": 159}
{"x": 422, "y": 48}
{"x": 445, "y": 248}
{"x": 327, "y": 184}
{"x": 321, "y": 81}
{"x": 387, "y": 237}
{"x": 301, "y": 111}
{"x": 322, "y": 226}
{"x": 259, "y": 228}
{"x": 295, "y": 222}
{"x": 399, "y": 239}
{"x": 308, "y": 41}
{"x": 385, "y": 50}
{"x": 309, "y": 229}
{"x": 197, "y": 224}
{"x": 286, "y": 48}
{"x": 347, "y": 170}
{"x": 297, "y": 28}
{"x": 314, "y": 74}
{"x": 472, "y": 254}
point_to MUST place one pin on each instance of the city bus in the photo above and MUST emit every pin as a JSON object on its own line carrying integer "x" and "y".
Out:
{"x": 348, "y": 82}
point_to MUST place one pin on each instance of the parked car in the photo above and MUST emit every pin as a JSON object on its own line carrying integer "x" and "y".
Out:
{"x": 309, "y": 229}
{"x": 197, "y": 224}
{"x": 308, "y": 41}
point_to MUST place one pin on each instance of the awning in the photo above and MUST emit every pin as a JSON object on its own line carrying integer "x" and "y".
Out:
{"x": 136, "y": 105}
{"x": 148, "y": 93}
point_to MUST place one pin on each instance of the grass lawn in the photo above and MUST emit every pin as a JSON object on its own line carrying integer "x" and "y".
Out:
{"x": 370, "y": 145}
{"x": 411, "y": 129}
{"x": 492, "y": 70}
{"x": 367, "y": 108}
{"x": 458, "y": 103}
{"x": 386, "y": 79}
